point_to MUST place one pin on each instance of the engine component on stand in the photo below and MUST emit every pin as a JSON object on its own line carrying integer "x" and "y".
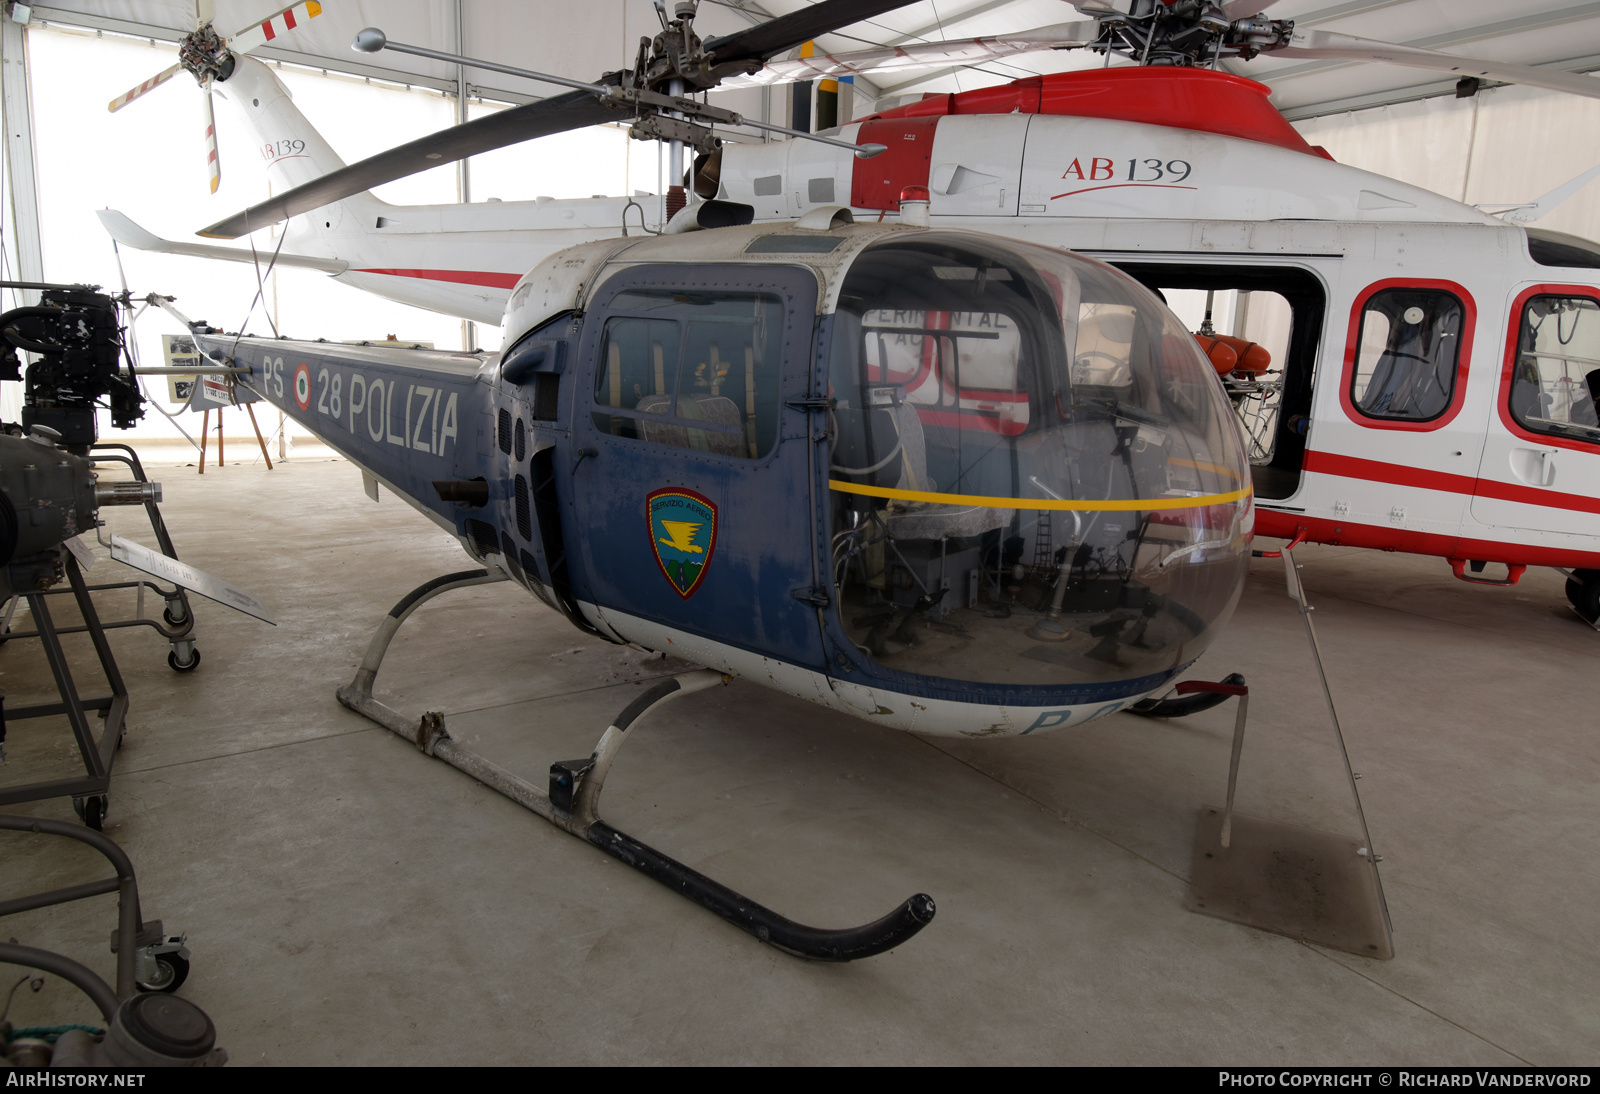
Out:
{"x": 75, "y": 332}
{"x": 48, "y": 496}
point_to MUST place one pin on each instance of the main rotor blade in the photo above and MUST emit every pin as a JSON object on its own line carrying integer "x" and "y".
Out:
{"x": 574, "y": 110}
{"x": 204, "y": 13}
{"x": 787, "y": 31}
{"x": 278, "y": 23}
{"x": 145, "y": 88}
{"x": 887, "y": 58}
{"x": 1331, "y": 45}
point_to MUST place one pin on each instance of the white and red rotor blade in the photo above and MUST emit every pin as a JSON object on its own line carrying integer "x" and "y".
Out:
{"x": 1331, "y": 45}
{"x": 213, "y": 164}
{"x": 143, "y": 89}
{"x": 273, "y": 26}
{"x": 204, "y": 13}
{"x": 964, "y": 51}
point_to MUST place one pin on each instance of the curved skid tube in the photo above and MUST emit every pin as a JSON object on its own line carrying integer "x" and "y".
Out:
{"x": 574, "y": 799}
{"x": 1186, "y": 704}
{"x": 814, "y": 943}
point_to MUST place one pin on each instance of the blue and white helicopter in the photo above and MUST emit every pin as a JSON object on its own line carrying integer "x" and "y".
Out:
{"x": 942, "y": 481}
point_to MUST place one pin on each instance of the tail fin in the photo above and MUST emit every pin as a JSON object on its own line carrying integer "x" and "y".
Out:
{"x": 295, "y": 151}
{"x": 122, "y": 229}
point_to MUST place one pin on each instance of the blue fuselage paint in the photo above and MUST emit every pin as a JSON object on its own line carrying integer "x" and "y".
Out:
{"x": 567, "y": 504}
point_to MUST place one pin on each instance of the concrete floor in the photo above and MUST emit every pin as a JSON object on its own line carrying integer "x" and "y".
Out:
{"x": 349, "y": 901}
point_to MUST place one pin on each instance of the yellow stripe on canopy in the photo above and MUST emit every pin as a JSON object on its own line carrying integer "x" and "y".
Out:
{"x": 979, "y": 501}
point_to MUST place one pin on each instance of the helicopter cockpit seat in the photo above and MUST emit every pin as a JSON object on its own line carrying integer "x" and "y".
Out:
{"x": 1528, "y": 397}
{"x": 726, "y": 437}
{"x": 930, "y": 520}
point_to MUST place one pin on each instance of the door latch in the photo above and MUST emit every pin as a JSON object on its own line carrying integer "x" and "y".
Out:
{"x": 817, "y": 598}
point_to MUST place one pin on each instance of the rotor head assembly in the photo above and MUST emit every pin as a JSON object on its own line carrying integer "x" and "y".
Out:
{"x": 1185, "y": 33}
{"x": 205, "y": 56}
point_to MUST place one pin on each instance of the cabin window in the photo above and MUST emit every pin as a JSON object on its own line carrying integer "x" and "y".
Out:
{"x": 692, "y": 369}
{"x": 1549, "y": 248}
{"x": 1408, "y": 353}
{"x": 1033, "y": 476}
{"x": 1555, "y": 380}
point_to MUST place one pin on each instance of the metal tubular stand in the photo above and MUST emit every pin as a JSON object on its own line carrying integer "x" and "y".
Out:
{"x": 1232, "y": 684}
{"x": 136, "y": 943}
{"x": 79, "y": 976}
{"x": 1291, "y": 576}
{"x": 572, "y": 803}
{"x": 89, "y": 791}
{"x": 1316, "y": 886}
{"x": 176, "y": 614}
{"x": 179, "y": 631}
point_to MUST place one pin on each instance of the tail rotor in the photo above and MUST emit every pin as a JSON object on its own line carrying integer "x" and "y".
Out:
{"x": 209, "y": 58}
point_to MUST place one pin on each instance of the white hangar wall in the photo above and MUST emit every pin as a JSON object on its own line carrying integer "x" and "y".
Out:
{"x": 1505, "y": 145}
{"x": 149, "y": 162}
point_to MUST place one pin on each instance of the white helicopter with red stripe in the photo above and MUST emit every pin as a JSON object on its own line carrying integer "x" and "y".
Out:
{"x": 1412, "y": 373}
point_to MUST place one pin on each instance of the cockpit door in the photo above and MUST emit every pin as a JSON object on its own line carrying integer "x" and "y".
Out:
{"x": 694, "y": 513}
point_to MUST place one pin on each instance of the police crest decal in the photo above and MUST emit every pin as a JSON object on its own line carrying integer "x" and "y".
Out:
{"x": 683, "y": 534}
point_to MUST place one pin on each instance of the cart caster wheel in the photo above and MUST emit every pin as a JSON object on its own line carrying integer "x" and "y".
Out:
{"x": 171, "y": 972}
{"x": 174, "y": 620}
{"x": 179, "y": 666}
{"x": 91, "y": 810}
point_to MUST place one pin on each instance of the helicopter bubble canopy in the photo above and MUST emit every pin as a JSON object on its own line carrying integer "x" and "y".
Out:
{"x": 1034, "y": 477}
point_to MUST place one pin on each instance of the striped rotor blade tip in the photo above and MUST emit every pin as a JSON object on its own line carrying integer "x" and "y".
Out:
{"x": 213, "y": 162}
{"x": 274, "y": 26}
{"x": 143, "y": 89}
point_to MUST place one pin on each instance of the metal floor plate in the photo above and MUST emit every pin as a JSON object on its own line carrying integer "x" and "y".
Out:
{"x": 1299, "y": 882}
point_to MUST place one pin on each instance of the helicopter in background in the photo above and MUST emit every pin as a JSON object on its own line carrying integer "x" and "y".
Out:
{"x": 1468, "y": 432}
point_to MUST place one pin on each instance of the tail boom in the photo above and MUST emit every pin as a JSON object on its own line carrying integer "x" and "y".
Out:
{"x": 398, "y": 413}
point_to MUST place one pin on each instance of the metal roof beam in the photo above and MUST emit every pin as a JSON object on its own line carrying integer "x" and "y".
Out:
{"x": 147, "y": 31}
{"x": 1454, "y": 37}
{"x": 85, "y": 21}
{"x": 1340, "y": 11}
{"x": 959, "y": 17}
{"x": 1418, "y": 92}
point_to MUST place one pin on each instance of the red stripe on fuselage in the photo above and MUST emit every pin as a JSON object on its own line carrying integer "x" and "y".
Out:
{"x": 1345, "y": 533}
{"x": 1350, "y": 467}
{"x": 458, "y": 277}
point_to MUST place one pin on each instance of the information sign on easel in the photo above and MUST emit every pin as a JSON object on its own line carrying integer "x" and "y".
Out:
{"x": 207, "y": 393}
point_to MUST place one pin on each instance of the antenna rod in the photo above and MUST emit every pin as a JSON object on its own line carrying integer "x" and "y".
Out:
{"x": 371, "y": 40}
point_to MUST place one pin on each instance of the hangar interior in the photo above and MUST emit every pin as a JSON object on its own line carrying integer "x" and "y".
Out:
{"x": 343, "y": 899}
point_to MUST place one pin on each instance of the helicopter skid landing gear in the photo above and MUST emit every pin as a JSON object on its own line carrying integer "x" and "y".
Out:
{"x": 572, "y": 803}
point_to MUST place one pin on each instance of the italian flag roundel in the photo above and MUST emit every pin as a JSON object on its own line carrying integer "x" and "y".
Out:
{"x": 302, "y": 386}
